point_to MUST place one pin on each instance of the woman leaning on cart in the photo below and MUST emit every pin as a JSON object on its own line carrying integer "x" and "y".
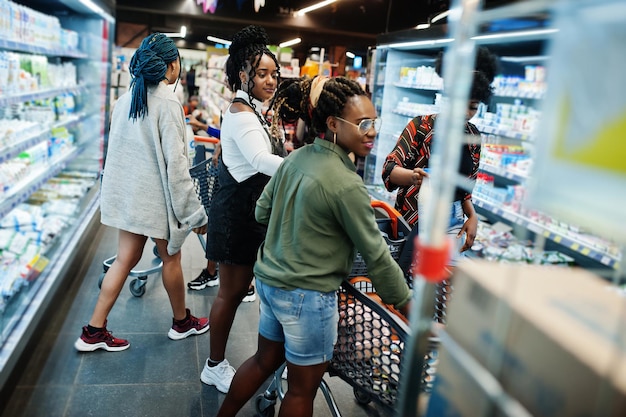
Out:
{"x": 147, "y": 138}
{"x": 318, "y": 211}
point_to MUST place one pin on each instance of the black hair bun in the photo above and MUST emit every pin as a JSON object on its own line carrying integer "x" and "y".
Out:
{"x": 250, "y": 35}
{"x": 486, "y": 63}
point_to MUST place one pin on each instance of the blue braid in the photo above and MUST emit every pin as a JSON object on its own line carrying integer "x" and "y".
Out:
{"x": 148, "y": 67}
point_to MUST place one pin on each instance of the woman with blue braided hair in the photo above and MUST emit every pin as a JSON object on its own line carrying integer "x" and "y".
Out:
{"x": 147, "y": 190}
{"x": 249, "y": 157}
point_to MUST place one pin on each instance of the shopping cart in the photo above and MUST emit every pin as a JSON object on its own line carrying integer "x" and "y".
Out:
{"x": 371, "y": 335}
{"x": 370, "y": 343}
{"x": 395, "y": 231}
{"x": 204, "y": 176}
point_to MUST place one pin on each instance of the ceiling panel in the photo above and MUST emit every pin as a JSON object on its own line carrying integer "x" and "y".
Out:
{"x": 351, "y": 23}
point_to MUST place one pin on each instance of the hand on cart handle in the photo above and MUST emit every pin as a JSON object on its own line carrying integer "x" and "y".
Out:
{"x": 217, "y": 150}
{"x": 417, "y": 176}
{"x": 406, "y": 309}
{"x": 200, "y": 230}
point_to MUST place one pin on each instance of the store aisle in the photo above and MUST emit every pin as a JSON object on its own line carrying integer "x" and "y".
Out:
{"x": 156, "y": 376}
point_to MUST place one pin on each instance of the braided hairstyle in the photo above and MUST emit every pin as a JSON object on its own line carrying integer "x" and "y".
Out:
{"x": 246, "y": 50}
{"x": 485, "y": 69}
{"x": 332, "y": 101}
{"x": 148, "y": 67}
{"x": 290, "y": 103}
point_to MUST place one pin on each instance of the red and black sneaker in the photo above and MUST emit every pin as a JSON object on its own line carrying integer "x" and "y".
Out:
{"x": 102, "y": 339}
{"x": 188, "y": 327}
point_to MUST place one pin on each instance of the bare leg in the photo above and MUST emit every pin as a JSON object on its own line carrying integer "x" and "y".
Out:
{"x": 173, "y": 281}
{"x": 211, "y": 267}
{"x": 234, "y": 283}
{"x": 129, "y": 250}
{"x": 303, "y": 382}
{"x": 249, "y": 377}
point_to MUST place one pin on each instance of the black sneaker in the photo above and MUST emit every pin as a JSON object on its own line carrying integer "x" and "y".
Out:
{"x": 250, "y": 296}
{"x": 204, "y": 280}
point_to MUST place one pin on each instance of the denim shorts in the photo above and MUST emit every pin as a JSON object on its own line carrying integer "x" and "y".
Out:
{"x": 304, "y": 320}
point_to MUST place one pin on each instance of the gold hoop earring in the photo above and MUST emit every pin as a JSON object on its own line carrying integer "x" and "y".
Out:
{"x": 335, "y": 138}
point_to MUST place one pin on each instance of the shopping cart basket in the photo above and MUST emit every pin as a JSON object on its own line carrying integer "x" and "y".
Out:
{"x": 370, "y": 343}
{"x": 204, "y": 176}
{"x": 395, "y": 231}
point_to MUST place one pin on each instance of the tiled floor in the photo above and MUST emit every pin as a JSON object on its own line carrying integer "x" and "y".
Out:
{"x": 156, "y": 376}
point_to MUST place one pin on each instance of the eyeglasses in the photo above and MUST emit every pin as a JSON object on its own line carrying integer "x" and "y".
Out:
{"x": 365, "y": 125}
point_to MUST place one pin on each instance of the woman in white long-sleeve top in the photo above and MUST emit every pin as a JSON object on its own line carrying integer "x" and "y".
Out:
{"x": 249, "y": 157}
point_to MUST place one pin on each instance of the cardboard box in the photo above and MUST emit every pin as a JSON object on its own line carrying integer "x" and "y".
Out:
{"x": 554, "y": 337}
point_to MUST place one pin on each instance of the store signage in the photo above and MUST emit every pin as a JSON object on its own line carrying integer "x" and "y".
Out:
{"x": 207, "y": 5}
{"x": 211, "y": 5}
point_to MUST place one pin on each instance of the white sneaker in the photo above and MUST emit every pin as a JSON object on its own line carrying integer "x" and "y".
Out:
{"x": 250, "y": 296}
{"x": 220, "y": 375}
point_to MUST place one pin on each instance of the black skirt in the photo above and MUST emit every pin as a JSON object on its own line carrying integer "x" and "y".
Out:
{"x": 233, "y": 234}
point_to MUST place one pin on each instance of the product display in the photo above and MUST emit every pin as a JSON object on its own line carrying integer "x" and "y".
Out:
{"x": 509, "y": 128}
{"x": 52, "y": 126}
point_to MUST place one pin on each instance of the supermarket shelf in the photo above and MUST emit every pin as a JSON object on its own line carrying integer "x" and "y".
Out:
{"x": 14, "y": 150}
{"x": 539, "y": 229}
{"x": 425, "y": 87}
{"x": 29, "y": 185}
{"x": 220, "y": 82}
{"x": 519, "y": 94}
{"x": 502, "y": 172}
{"x": 34, "y": 49}
{"x": 434, "y": 110}
{"x": 35, "y": 299}
{"x": 492, "y": 130}
{"x": 39, "y": 95}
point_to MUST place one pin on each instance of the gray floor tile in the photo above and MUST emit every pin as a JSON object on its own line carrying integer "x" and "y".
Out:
{"x": 38, "y": 401}
{"x": 147, "y": 400}
{"x": 155, "y": 376}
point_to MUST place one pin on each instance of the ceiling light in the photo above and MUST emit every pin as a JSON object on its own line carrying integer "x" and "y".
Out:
{"x": 517, "y": 34}
{"x": 183, "y": 31}
{"x": 523, "y": 34}
{"x": 350, "y": 54}
{"x": 429, "y": 42}
{"x": 289, "y": 43}
{"x": 316, "y": 6}
{"x": 218, "y": 40}
{"x": 423, "y": 26}
{"x": 97, "y": 9}
{"x": 440, "y": 16}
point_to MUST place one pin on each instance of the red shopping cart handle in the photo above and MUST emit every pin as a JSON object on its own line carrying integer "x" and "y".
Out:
{"x": 391, "y": 212}
{"x": 205, "y": 139}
